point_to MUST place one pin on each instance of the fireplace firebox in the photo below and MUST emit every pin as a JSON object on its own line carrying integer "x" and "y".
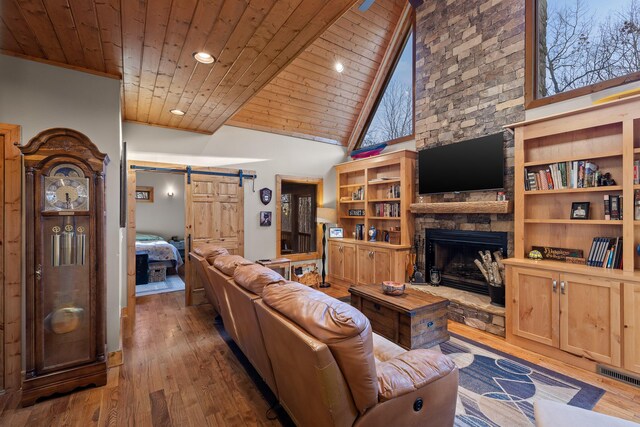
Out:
{"x": 453, "y": 252}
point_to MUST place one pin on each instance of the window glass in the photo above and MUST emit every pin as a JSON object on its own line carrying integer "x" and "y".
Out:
{"x": 393, "y": 117}
{"x": 584, "y": 42}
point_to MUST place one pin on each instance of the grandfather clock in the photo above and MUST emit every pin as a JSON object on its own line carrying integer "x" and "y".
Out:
{"x": 65, "y": 263}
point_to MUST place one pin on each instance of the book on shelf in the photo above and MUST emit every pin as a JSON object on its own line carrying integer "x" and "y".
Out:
{"x": 387, "y": 209}
{"x": 606, "y": 252}
{"x": 612, "y": 207}
{"x": 360, "y": 232}
{"x": 565, "y": 175}
{"x": 636, "y": 172}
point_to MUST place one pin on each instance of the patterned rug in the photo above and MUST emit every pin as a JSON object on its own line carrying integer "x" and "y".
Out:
{"x": 497, "y": 389}
{"x": 171, "y": 284}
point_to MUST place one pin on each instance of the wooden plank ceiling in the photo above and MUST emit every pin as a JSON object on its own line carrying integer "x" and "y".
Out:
{"x": 309, "y": 98}
{"x": 150, "y": 43}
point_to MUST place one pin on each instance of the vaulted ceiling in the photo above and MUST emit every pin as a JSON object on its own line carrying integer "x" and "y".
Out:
{"x": 274, "y": 66}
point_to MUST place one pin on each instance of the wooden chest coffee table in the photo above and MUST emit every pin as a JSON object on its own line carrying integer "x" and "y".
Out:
{"x": 412, "y": 320}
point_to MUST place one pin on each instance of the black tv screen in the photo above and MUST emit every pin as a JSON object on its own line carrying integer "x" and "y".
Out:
{"x": 475, "y": 164}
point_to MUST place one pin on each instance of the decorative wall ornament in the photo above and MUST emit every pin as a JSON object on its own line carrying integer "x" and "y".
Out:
{"x": 265, "y": 196}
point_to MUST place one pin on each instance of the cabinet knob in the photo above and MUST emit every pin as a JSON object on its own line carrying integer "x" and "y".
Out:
{"x": 370, "y": 254}
{"x": 554, "y": 284}
{"x": 562, "y": 286}
{"x": 38, "y": 272}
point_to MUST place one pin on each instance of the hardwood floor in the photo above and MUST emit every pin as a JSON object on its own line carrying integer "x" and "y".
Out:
{"x": 178, "y": 371}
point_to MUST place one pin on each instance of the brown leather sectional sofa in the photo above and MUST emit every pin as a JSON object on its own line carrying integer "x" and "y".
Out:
{"x": 319, "y": 356}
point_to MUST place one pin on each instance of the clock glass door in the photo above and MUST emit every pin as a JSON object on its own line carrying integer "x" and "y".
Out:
{"x": 64, "y": 270}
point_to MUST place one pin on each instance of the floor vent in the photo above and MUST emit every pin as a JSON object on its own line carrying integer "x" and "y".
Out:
{"x": 617, "y": 375}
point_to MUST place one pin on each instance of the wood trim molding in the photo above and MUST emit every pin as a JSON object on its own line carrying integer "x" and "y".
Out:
{"x": 319, "y": 202}
{"x": 407, "y": 19}
{"x": 11, "y": 286}
{"x": 489, "y": 206}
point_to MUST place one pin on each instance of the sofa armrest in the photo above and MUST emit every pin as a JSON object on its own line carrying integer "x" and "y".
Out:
{"x": 411, "y": 371}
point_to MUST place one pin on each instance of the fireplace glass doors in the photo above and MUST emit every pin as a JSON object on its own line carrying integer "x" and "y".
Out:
{"x": 452, "y": 252}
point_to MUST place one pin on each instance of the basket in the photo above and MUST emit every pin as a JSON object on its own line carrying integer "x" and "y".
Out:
{"x": 157, "y": 274}
{"x": 307, "y": 274}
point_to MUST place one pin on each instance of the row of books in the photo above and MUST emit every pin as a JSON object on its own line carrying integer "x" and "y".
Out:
{"x": 387, "y": 209}
{"x": 576, "y": 174}
{"x": 606, "y": 252}
{"x": 636, "y": 171}
{"x": 612, "y": 206}
{"x": 394, "y": 191}
{"x": 361, "y": 233}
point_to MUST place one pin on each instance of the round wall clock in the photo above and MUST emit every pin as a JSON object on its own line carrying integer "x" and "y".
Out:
{"x": 265, "y": 196}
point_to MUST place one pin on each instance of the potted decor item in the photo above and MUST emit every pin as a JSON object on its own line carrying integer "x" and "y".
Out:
{"x": 493, "y": 272}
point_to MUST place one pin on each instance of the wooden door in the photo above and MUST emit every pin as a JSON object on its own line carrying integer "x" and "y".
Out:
{"x": 365, "y": 265}
{"x": 535, "y": 305}
{"x": 214, "y": 213}
{"x": 10, "y": 258}
{"x": 590, "y": 317}
{"x": 632, "y": 327}
{"x": 381, "y": 265}
{"x": 349, "y": 263}
{"x": 336, "y": 264}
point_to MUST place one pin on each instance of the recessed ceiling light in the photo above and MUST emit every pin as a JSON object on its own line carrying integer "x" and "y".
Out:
{"x": 177, "y": 112}
{"x": 339, "y": 67}
{"x": 204, "y": 57}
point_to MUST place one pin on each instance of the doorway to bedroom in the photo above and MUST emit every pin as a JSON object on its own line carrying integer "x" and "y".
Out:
{"x": 160, "y": 242}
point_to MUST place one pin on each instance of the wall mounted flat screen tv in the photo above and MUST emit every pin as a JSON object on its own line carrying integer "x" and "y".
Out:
{"x": 472, "y": 165}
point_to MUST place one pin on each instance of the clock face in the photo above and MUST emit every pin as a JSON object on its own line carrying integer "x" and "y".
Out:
{"x": 66, "y": 189}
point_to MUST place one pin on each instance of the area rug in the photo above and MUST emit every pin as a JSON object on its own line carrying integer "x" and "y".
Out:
{"x": 497, "y": 389}
{"x": 172, "y": 283}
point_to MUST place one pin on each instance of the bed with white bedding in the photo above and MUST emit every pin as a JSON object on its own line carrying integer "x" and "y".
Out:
{"x": 159, "y": 250}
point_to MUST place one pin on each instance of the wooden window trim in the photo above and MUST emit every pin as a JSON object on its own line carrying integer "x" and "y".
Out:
{"x": 531, "y": 76}
{"x": 319, "y": 201}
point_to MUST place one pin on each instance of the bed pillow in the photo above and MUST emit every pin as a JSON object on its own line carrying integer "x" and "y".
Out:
{"x": 228, "y": 263}
{"x": 142, "y": 237}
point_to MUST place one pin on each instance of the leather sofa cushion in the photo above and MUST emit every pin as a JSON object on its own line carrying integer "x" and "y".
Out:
{"x": 383, "y": 349}
{"x": 210, "y": 251}
{"x": 255, "y": 277}
{"x": 228, "y": 263}
{"x": 345, "y": 330}
{"x": 410, "y": 371}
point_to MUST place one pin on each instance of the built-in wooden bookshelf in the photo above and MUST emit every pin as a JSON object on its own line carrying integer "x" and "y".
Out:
{"x": 385, "y": 183}
{"x": 387, "y": 179}
{"x": 566, "y": 309}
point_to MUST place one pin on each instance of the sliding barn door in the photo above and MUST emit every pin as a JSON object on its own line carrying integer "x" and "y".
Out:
{"x": 214, "y": 214}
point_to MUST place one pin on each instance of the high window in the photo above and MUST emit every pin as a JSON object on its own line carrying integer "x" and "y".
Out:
{"x": 392, "y": 119}
{"x": 577, "y": 47}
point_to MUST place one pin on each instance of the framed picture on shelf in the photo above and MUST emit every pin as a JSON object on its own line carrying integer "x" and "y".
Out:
{"x": 336, "y": 232}
{"x": 579, "y": 210}
{"x": 144, "y": 194}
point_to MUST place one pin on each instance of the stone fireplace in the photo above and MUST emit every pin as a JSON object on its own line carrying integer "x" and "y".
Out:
{"x": 452, "y": 252}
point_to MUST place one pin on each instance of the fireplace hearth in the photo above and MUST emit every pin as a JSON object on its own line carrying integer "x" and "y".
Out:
{"x": 453, "y": 252}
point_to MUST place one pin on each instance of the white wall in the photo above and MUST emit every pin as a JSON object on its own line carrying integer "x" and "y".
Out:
{"x": 37, "y": 97}
{"x": 266, "y": 153}
{"x": 165, "y": 216}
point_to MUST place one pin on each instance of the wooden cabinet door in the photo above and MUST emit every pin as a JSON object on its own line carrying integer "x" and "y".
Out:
{"x": 632, "y": 327}
{"x": 349, "y": 263}
{"x": 382, "y": 265}
{"x": 365, "y": 265}
{"x": 535, "y": 305}
{"x": 590, "y": 317}
{"x": 336, "y": 264}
